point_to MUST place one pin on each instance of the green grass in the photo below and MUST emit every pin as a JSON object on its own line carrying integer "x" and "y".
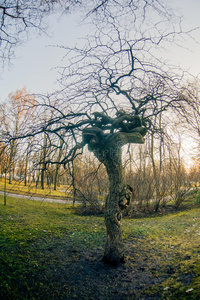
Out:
{"x": 174, "y": 241}
{"x": 25, "y": 227}
{"x": 38, "y": 239}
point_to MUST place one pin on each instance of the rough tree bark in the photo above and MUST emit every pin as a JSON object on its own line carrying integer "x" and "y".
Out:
{"x": 108, "y": 149}
{"x": 110, "y": 156}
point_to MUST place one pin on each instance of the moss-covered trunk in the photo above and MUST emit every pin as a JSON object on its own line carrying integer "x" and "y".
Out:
{"x": 114, "y": 245}
{"x": 111, "y": 156}
{"x": 108, "y": 149}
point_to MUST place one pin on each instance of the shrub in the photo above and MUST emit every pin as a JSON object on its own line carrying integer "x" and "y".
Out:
{"x": 197, "y": 200}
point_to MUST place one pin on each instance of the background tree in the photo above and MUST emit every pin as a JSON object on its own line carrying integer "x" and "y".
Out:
{"x": 3, "y": 159}
{"x": 192, "y": 111}
{"x": 14, "y": 118}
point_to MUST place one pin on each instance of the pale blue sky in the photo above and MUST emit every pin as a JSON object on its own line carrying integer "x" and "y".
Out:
{"x": 34, "y": 66}
{"x": 35, "y": 61}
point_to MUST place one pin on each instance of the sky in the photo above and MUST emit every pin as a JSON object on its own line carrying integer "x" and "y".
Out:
{"x": 35, "y": 62}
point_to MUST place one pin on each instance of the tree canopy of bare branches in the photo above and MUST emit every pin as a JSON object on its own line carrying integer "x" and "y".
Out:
{"x": 19, "y": 18}
{"x": 110, "y": 95}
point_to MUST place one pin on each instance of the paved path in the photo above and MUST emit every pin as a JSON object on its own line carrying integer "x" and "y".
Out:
{"x": 67, "y": 201}
{"x": 30, "y": 197}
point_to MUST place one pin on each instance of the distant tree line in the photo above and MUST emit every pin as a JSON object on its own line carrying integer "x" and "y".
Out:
{"x": 156, "y": 170}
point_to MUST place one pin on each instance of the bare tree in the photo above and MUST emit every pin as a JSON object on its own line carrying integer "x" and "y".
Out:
{"x": 19, "y": 18}
{"x": 60, "y": 150}
{"x": 3, "y": 159}
{"x": 13, "y": 120}
{"x": 112, "y": 89}
{"x": 96, "y": 93}
{"x": 192, "y": 111}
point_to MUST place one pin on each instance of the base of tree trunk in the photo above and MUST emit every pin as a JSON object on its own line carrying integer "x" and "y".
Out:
{"x": 113, "y": 261}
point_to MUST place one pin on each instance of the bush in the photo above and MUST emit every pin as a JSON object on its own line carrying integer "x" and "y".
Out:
{"x": 197, "y": 200}
{"x": 88, "y": 210}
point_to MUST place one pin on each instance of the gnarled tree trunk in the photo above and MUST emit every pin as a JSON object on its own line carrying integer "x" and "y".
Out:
{"x": 107, "y": 147}
{"x": 110, "y": 154}
{"x": 114, "y": 245}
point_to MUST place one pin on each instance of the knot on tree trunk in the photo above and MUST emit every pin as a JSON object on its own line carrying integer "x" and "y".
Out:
{"x": 93, "y": 136}
{"x": 125, "y": 196}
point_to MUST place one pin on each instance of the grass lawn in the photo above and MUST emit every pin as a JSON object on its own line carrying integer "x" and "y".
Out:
{"x": 18, "y": 187}
{"x": 47, "y": 251}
